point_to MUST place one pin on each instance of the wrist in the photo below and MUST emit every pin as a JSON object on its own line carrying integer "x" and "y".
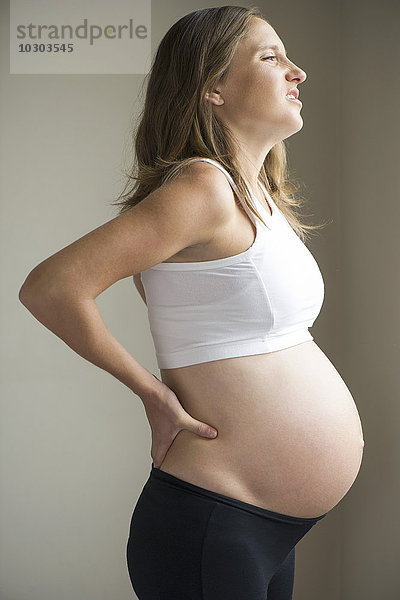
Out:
{"x": 150, "y": 390}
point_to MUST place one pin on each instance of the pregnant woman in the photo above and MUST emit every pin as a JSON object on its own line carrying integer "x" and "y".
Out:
{"x": 255, "y": 436}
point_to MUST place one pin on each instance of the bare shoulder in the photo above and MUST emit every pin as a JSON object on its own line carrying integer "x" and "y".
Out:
{"x": 216, "y": 198}
{"x": 211, "y": 184}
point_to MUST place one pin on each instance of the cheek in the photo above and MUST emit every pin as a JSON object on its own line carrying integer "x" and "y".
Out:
{"x": 266, "y": 88}
{"x": 253, "y": 90}
{"x": 247, "y": 84}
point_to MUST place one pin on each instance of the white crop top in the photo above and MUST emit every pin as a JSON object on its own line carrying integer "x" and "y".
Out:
{"x": 258, "y": 301}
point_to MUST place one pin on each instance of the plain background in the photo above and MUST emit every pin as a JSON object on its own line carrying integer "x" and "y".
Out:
{"x": 75, "y": 442}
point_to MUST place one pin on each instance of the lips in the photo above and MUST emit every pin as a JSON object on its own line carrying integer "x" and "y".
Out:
{"x": 294, "y": 92}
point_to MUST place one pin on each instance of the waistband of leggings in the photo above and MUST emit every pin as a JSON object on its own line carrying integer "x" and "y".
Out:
{"x": 157, "y": 474}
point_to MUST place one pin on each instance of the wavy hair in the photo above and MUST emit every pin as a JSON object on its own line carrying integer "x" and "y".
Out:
{"x": 177, "y": 123}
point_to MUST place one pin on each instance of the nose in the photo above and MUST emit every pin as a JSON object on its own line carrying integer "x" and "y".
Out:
{"x": 297, "y": 74}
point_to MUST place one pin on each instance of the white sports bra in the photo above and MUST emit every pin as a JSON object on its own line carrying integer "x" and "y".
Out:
{"x": 258, "y": 301}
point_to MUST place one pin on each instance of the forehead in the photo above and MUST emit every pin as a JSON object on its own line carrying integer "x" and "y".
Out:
{"x": 261, "y": 36}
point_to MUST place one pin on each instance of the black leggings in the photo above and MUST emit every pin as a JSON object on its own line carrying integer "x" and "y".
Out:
{"x": 190, "y": 543}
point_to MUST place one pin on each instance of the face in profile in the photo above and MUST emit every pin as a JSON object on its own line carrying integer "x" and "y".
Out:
{"x": 252, "y": 99}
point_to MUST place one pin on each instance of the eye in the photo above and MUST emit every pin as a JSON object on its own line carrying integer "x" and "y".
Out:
{"x": 268, "y": 57}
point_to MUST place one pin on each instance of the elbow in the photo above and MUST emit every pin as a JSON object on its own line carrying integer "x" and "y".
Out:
{"x": 26, "y": 290}
{"x": 25, "y": 294}
{"x": 35, "y": 288}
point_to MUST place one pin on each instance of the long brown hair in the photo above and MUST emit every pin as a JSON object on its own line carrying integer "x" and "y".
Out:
{"x": 177, "y": 123}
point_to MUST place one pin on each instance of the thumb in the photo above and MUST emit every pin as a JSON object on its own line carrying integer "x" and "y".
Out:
{"x": 203, "y": 429}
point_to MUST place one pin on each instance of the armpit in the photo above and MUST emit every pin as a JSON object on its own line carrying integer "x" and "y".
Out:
{"x": 139, "y": 286}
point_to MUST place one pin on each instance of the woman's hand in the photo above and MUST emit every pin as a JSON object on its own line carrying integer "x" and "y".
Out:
{"x": 167, "y": 418}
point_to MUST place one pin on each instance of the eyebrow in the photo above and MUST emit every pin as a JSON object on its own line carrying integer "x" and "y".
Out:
{"x": 273, "y": 46}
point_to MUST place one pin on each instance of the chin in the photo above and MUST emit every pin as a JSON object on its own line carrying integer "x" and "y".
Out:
{"x": 296, "y": 127}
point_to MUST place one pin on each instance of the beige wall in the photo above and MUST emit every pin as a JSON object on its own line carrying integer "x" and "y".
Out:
{"x": 75, "y": 443}
{"x": 369, "y": 236}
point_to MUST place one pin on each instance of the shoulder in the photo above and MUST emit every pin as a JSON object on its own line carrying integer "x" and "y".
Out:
{"x": 186, "y": 210}
{"x": 208, "y": 187}
{"x": 207, "y": 173}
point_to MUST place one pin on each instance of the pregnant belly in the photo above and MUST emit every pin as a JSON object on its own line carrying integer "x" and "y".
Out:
{"x": 289, "y": 434}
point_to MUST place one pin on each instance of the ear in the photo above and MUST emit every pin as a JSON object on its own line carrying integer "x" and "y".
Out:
{"x": 214, "y": 97}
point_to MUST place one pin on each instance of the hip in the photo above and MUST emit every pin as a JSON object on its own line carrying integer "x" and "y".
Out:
{"x": 187, "y": 541}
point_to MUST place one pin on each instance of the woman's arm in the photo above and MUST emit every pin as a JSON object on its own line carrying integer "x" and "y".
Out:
{"x": 60, "y": 292}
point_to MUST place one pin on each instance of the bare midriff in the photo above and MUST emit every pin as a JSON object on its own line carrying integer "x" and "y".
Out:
{"x": 289, "y": 434}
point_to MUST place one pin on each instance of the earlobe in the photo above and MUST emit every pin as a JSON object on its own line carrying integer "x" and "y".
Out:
{"x": 214, "y": 98}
